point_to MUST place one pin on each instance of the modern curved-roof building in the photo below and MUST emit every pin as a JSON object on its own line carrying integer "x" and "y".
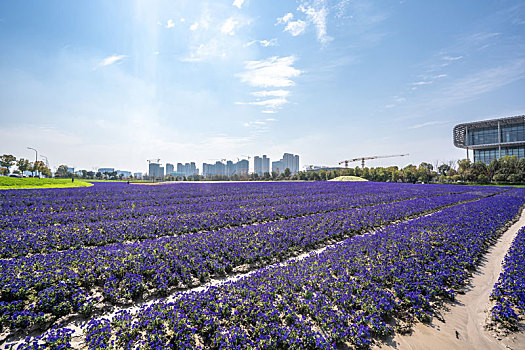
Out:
{"x": 492, "y": 139}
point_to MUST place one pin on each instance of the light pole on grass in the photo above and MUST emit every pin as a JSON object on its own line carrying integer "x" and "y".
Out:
{"x": 36, "y": 156}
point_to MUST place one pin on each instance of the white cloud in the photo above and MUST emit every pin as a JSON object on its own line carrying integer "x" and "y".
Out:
{"x": 272, "y": 72}
{"x": 317, "y": 15}
{"x": 183, "y": 20}
{"x": 229, "y": 26}
{"x": 194, "y": 26}
{"x": 434, "y": 122}
{"x": 286, "y": 18}
{"x": 276, "y": 93}
{"x": 272, "y": 103}
{"x": 421, "y": 83}
{"x": 111, "y": 60}
{"x": 452, "y": 58}
{"x": 170, "y": 23}
{"x": 265, "y": 43}
{"x": 295, "y": 28}
{"x": 439, "y": 76}
{"x": 238, "y": 3}
{"x": 211, "y": 49}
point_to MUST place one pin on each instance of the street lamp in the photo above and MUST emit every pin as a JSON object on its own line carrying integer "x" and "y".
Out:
{"x": 36, "y": 156}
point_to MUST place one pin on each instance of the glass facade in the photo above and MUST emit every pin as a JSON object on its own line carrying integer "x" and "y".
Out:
{"x": 487, "y": 155}
{"x": 513, "y": 133}
{"x": 518, "y": 151}
{"x": 483, "y": 136}
{"x": 489, "y": 135}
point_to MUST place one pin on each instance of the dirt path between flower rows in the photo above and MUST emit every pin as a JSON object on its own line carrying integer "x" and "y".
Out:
{"x": 462, "y": 323}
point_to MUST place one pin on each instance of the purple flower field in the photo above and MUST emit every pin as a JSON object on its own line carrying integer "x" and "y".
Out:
{"x": 74, "y": 253}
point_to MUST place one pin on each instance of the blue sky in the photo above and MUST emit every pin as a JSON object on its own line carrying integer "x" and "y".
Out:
{"x": 114, "y": 83}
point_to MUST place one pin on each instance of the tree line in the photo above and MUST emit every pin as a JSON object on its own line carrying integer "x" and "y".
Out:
{"x": 23, "y": 165}
{"x": 506, "y": 170}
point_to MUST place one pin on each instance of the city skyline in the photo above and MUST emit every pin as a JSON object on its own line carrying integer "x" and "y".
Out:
{"x": 102, "y": 84}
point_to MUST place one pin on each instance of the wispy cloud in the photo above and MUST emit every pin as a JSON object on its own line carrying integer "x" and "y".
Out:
{"x": 484, "y": 81}
{"x": 422, "y": 125}
{"x": 265, "y": 43}
{"x": 238, "y": 3}
{"x": 209, "y": 50}
{"x": 170, "y": 23}
{"x": 451, "y": 58}
{"x": 110, "y": 60}
{"x": 229, "y": 26}
{"x": 421, "y": 83}
{"x": 285, "y": 19}
{"x": 272, "y": 103}
{"x": 295, "y": 28}
{"x": 276, "y": 93}
{"x": 194, "y": 26}
{"x": 316, "y": 14}
{"x": 272, "y": 72}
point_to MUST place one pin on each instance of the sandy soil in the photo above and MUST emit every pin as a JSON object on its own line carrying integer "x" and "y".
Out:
{"x": 462, "y": 323}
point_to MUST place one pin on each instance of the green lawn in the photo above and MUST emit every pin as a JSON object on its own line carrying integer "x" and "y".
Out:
{"x": 32, "y": 182}
{"x": 348, "y": 178}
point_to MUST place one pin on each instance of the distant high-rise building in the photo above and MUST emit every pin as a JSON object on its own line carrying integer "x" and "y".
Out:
{"x": 289, "y": 161}
{"x": 277, "y": 166}
{"x": 187, "y": 169}
{"x": 155, "y": 170}
{"x": 261, "y": 165}
{"x": 137, "y": 175}
{"x": 169, "y": 169}
{"x": 228, "y": 169}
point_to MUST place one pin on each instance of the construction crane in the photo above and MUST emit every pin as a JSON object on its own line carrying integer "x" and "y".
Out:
{"x": 246, "y": 156}
{"x": 362, "y": 159}
{"x": 153, "y": 160}
{"x": 222, "y": 160}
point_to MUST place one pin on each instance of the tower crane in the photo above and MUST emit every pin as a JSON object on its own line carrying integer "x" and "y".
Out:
{"x": 153, "y": 160}
{"x": 362, "y": 159}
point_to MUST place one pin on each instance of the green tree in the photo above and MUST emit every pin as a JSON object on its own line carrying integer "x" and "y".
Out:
{"x": 23, "y": 164}
{"x": 7, "y": 160}
{"x": 62, "y": 171}
{"x": 443, "y": 169}
{"x": 287, "y": 173}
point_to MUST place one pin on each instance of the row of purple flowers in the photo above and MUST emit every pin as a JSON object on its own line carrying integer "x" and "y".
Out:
{"x": 509, "y": 292}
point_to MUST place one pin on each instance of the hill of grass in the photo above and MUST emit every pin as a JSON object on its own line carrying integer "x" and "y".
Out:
{"x": 34, "y": 182}
{"x": 348, "y": 178}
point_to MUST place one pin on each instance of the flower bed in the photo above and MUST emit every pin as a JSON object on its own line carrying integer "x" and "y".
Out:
{"x": 348, "y": 295}
{"x": 509, "y": 292}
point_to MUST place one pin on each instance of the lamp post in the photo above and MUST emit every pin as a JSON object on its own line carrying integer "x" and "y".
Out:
{"x": 36, "y": 156}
